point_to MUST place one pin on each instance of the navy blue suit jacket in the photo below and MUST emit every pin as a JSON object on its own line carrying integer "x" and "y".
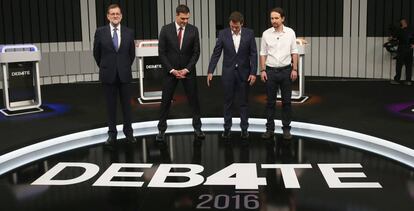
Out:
{"x": 111, "y": 61}
{"x": 245, "y": 58}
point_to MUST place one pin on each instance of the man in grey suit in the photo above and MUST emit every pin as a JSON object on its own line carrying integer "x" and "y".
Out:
{"x": 114, "y": 53}
{"x": 239, "y": 69}
{"x": 179, "y": 50}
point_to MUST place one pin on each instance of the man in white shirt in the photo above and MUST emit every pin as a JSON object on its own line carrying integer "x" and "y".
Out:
{"x": 279, "y": 64}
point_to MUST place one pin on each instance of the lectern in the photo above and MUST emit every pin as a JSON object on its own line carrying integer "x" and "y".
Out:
{"x": 21, "y": 83}
{"x": 150, "y": 69}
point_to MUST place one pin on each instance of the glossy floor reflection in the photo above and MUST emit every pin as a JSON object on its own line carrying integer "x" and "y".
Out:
{"x": 214, "y": 154}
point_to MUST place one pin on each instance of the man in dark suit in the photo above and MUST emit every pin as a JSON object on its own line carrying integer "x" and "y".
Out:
{"x": 239, "y": 69}
{"x": 405, "y": 37}
{"x": 179, "y": 50}
{"x": 114, "y": 53}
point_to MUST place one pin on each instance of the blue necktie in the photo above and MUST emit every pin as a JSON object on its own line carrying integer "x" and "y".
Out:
{"x": 115, "y": 39}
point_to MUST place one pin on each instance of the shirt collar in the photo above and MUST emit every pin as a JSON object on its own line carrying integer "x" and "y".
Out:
{"x": 283, "y": 29}
{"x": 232, "y": 33}
{"x": 112, "y": 27}
{"x": 178, "y": 26}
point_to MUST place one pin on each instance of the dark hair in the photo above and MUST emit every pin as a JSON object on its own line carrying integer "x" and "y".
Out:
{"x": 182, "y": 8}
{"x": 403, "y": 19}
{"x": 112, "y": 6}
{"x": 236, "y": 16}
{"x": 278, "y": 10}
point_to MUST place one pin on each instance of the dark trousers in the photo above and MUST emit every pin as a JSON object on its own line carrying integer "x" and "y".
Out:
{"x": 111, "y": 95}
{"x": 235, "y": 88}
{"x": 404, "y": 58}
{"x": 191, "y": 91}
{"x": 278, "y": 79}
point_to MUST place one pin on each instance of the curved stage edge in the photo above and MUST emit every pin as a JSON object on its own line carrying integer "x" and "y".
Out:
{"x": 20, "y": 157}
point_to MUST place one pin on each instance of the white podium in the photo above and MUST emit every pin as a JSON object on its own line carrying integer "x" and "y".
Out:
{"x": 21, "y": 83}
{"x": 298, "y": 95}
{"x": 147, "y": 49}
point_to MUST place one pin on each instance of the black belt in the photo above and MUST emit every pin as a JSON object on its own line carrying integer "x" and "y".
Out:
{"x": 279, "y": 68}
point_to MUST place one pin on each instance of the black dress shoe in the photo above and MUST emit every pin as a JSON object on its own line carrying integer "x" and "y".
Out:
{"x": 286, "y": 134}
{"x": 244, "y": 134}
{"x": 268, "y": 134}
{"x": 199, "y": 134}
{"x": 160, "y": 136}
{"x": 131, "y": 139}
{"x": 226, "y": 134}
{"x": 110, "y": 141}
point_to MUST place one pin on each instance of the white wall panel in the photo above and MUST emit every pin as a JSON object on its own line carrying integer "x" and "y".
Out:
{"x": 212, "y": 29}
{"x": 85, "y": 27}
{"x": 378, "y": 57}
{"x": 386, "y": 64}
{"x": 314, "y": 56}
{"x": 190, "y": 5}
{"x": 353, "y": 63}
{"x": 370, "y": 55}
{"x": 346, "y": 41}
{"x": 161, "y": 14}
{"x": 205, "y": 41}
{"x": 346, "y": 44}
{"x": 87, "y": 62}
{"x": 323, "y": 56}
{"x": 44, "y": 67}
{"x": 72, "y": 63}
{"x": 198, "y": 23}
{"x": 308, "y": 57}
{"x": 362, "y": 39}
{"x": 338, "y": 57}
{"x": 330, "y": 57}
{"x": 57, "y": 63}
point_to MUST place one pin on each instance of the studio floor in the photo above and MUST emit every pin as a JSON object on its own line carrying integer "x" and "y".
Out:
{"x": 359, "y": 131}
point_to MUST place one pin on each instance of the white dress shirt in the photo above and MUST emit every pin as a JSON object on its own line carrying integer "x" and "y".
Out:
{"x": 177, "y": 28}
{"x": 236, "y": 40}
{"x": 278, "y": 46}
{"x": 118, "y": 31}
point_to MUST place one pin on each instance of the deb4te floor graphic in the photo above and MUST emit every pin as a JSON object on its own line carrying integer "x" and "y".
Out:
{"x": 240, "y": 175}
{"x": 303, "y": 174}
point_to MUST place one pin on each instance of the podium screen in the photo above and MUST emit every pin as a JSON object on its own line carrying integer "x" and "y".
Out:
{"x": 21, "y": 87}
{"x": 153, "y": 73}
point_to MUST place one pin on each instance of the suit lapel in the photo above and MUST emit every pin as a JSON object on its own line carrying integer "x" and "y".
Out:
{"x": 242, "y": 38}
{"x": 230, "y": 36}
{"x": 175, "y": 35}
{"x": 109, "y": 37}
{"x": 186, "y": 31}
{"x": 123, "y": 37}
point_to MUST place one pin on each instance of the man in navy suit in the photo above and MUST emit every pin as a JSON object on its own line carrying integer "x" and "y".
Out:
{"x": 239, "y": 69}
{"x": 114, "y": 53}
{"x": 179, "y": 50}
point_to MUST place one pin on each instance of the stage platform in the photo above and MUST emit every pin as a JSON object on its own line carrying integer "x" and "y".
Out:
{"x": 352, "y": 149}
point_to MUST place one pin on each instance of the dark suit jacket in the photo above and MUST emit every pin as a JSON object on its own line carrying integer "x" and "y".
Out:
{"x": 170, "y": 54}
{"x": 245, "y": 58}
{"x": 111, "y": 61}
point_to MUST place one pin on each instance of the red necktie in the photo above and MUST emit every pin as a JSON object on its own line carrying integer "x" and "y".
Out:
{"x": 180, "y": 34}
